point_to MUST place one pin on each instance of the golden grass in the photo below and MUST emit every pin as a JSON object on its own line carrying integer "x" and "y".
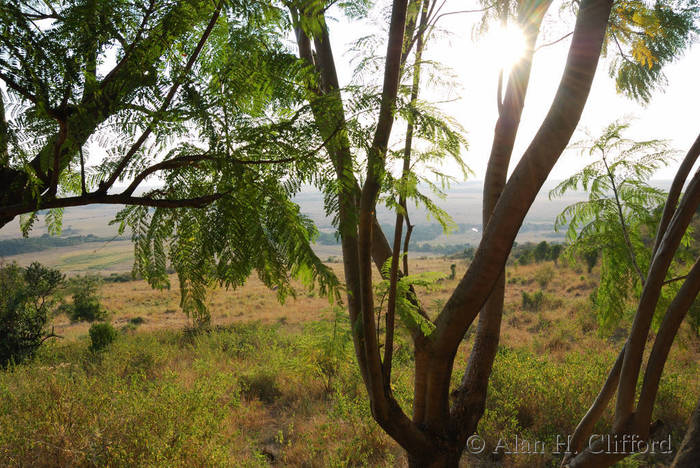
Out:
{"x": 301, "y": 425}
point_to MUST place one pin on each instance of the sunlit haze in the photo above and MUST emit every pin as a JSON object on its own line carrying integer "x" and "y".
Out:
{"x": 502, "y": 47}
{"x": 476, "y": 59}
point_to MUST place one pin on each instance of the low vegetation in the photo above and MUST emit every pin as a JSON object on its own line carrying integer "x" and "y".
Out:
{"x": 252, "y": 394}
{"x": 152, "y": 392}
{"x": 28, "y": 300}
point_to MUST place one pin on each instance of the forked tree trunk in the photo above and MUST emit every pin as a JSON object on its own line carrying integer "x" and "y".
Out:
{"x": 470, "y": 397}
{"x": 633, "y": 416}
{"x": 437, "y": 433}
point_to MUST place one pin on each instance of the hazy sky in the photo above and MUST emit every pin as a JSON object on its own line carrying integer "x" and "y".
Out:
{"x": 672, "y": 114}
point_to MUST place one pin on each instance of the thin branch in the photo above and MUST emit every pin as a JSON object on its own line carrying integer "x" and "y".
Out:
{"x": 623, "y": 224}
{"x": 166, "y": 103}
{"x": 50, "y": 335}
{"x": 62, "y": 136}
{"x": 673, "y": 280}
{"x": 82, "y": 172}
{"x": 167, "y": 164}
{"x": 619, "y": 47}
{"x": 128, "y": 51}
{"x": 554, "y": 42}
{"x": 118, "y": 199}
{"x": 20, "y": 89}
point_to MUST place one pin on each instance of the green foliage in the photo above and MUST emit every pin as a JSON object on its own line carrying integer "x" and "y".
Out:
{"x": 434, "y": 136}
{"x": 532, "y": 302}
{"x": 525, "y": 258}
{"x": 406, "y": 309}
{"x": 544, "y": 275}
{"x": 644, "y": 37}
{"x": 86, "y": 300}
{"x": 101, "y": 335}
{"x": 236, "y": 134}
{"x": 178, "y": 400}
{"x": 527, "y": 253}
{"x": 28, "y": 301}
{"x": 617, "y": 222}
{"x": 541, "y": 251}
{"x": 328, "y": 346}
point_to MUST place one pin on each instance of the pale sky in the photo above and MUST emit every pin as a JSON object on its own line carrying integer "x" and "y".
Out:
{"x": 672, "y": 114}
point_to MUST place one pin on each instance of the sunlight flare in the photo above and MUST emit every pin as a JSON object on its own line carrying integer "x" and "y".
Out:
{"x": 504, "y": 46}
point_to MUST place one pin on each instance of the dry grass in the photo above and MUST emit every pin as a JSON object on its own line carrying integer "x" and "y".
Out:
{"x": 255, "y": 393}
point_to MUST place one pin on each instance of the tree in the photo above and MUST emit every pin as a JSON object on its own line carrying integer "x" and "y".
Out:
{"x": 444, "y": 417}
{"x": 617, "y": 221}
{"x": 86, "y": 300}
{"x": 28, "y": 300}
{"x": 240, "y": 179}
{"x": 189, "y": 93}
{"x": 632, "y": 415}
{"x": 541, "y": 251}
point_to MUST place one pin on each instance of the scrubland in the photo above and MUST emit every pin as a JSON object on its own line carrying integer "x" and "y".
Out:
{"x": 274, "y": 384}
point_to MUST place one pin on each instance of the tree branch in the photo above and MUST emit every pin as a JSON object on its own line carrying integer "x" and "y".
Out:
{"x": 105, "y": 186}
{"x": 623, "y": 224}
{"x": 649, "y": 299}
{"x": 528, "y": 177}
{"x": 675, "y": 192}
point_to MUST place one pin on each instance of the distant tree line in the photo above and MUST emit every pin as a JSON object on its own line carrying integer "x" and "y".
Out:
{"x": 529, "y": 252}
{"x": 423, "y": 233}
{"x": 36, "y": 244}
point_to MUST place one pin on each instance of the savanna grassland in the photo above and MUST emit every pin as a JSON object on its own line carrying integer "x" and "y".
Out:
{"x": 273, "y": 384}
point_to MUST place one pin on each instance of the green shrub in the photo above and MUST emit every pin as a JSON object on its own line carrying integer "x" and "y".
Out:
{"x": 544, "y": 275}
{"x": 101, "y": 336}
{"x": 532, "y": 301}
{"x": 86, "y": 305}
{"x": 261, "y": 385}
{"x": 137, "y": 320}
{"x": 28, "y": 296}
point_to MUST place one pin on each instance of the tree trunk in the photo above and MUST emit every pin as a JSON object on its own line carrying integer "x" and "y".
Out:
{"x": 688, "y": 455}
{"x": 447, "y": 459}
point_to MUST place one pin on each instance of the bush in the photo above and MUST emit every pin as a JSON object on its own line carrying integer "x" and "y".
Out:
{"x": 101, "y": 336}
{"x": 86, "y": 302}
{"x": 261, "y": 385}
{"x": 28, "y": 297}
{"x": 544, "y": 275}
{"x": 532, "y": 301}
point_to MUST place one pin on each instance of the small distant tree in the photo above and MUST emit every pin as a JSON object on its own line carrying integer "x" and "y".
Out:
{"x": 86, "y": 300}
{"x": 101, "y": 336}
{"x": 541, "y": 251}
{"x": 554, "y": 252}
{"x": 28, "y": 300}
{"x": 591, "y": 259}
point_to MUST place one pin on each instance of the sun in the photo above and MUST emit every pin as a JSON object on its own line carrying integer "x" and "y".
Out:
{"x": 504, "y": 46}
